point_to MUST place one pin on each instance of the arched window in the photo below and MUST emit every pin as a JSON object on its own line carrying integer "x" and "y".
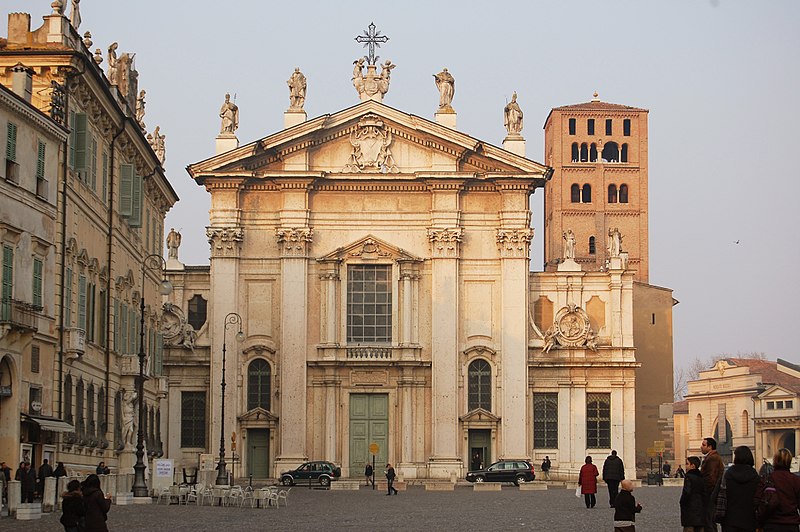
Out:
{"x": 197, "y": 312}
{"x": 593, "y": 153}
{"x": 624, "y": 156}
{"x": 698, "y": 426}
{"x": 586, "y": 193}
{"x": 612, "y": 193}
{"x": 584, "y": 152}
{"x": 623, "y": 193}
{"x": 258, "y": 384}
{"x": 80, "y": 426}
{"x": 611, "y": 152}
{"x": 68, "y": 399}
{"x": 575, "y": 193}
{"x": 90, "y": 427}
{"x": 592, "y": 246}
{"x": 101, "y": 413}
{"x": 575, "y": 153}
{"x": 745, "y": 423}
{"x": 480, "y": 385}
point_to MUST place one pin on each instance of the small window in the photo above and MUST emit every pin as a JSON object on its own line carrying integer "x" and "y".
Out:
{"x": 770, "y": 405}
{"x": 38, "y": 267}
{"x": 778, "y": 405}
{"x": 626, "y": 127}
{"x": 789, "y": 404}
{"x": 586, "y": 193}
{"x": 197, "y": 312}
{"x": 11, "y": 141}
{"x": 572, "y": 126}
{"x": 575, "y": 193}
{"x": 593, "y": 153}
{"x": 624, "y": 153}
{"x": 623, "y": 193}
{"x": 612, "y": 193}
{"x": 590, "y": 126}
{"x": 34, "y": 359}
{"x": 652, "y": 319}
{"x": 592, "y": 246}
{"x": 584, "y": 152}
{"x": 575, "y": 153}
{"x": 608, "y": 126}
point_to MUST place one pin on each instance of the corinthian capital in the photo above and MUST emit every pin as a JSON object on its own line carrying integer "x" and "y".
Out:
{"x": 225, "y": 241}
{"x": 294, "y": 241}
{"x": 445, "y": 242}
{"x": 514, "y": 243}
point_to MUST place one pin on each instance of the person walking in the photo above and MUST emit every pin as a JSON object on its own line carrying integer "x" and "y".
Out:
{"x": 587, "y": 480}
{"x": 741, "y": 482}
{"x": 45, "y": 470}
{"x": 27, "y": 478}
{"x": 613, "y": 474}
{"x": 368, "y": 471}
{"x": 693, "y": 496}
{"x": 625, "y": 509}
{"x": 72, "y": 507}
{"x": 666, "y": 469}
{"x": 97, "y": 505}
{"x": 711, "y": 470}
{"x": 546, "y": 465}
{"x": 390, "y": 476}
{"x": 783, "y": 515}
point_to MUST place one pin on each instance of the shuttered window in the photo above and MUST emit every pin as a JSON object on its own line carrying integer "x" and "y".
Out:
{"x": 38, "y": 266}
{"x": 82, "y": 302}
{"x": 93, "y": 169}
{"x": 104, "y": 189}
{"x": 135, "y": 219}
{"x": 11, "y": 141}
{"x": 40, "y": 157}
{"x": 68, "y": 298}
{"x": 8, "y": 281}
{"x": 80, "y": 145}
{"x": 125, "y": 189}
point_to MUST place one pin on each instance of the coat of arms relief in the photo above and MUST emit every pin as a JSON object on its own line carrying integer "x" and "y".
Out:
{"x": 371, "y": 152}
{"x": 571, "y": 328}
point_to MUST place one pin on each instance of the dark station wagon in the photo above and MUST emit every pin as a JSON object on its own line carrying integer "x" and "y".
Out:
{"x": 318, "y": 471}
{"x": 516, "y": 471}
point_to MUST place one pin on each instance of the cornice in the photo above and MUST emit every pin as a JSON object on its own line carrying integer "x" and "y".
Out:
{"x": 32, "y": 114}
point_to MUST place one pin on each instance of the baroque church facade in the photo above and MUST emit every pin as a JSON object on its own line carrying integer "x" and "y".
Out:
{"x": 378, "y": 266}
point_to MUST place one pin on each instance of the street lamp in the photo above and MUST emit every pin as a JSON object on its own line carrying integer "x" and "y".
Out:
{"x": 148, "y": 263}
{"x": 231, "y": 318}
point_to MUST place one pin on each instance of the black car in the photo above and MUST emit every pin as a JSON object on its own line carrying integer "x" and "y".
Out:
{"x": 515, "y": 471}
{"x": 319, "y": 471}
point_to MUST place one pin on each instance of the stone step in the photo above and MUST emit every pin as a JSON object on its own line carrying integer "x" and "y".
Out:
{"x": 487, "y": 486}
{"x": 439, "y": 486}
{"x": 351, "y": 485}
{"x": 29, "y": 511}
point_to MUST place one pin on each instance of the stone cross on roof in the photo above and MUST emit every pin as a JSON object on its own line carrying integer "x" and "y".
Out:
{"x": 372, "y": 38}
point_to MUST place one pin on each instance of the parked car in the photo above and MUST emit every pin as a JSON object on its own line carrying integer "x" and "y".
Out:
{"x": 319, "y": 470}
{"x": 515, "y": 471}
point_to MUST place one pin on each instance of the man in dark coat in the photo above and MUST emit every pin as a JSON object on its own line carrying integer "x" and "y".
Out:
{"x": 613, "y": 474}
{"x": 45, "y": 470}
{"x": 97, "y": 505}
{"x": 27, "y": 478}
{"x": 711, "y": 469}
{"x": 693, "y": 496}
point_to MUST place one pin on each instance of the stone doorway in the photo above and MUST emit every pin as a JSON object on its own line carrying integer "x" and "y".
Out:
{"x": 369, "y": 423}
{"x": 479, "y": 448}
{"x": 258, "y": 453}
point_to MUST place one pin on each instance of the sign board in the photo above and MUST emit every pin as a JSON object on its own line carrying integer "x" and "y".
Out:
{"x": 373, "y": 448}
{"x": 207, "y": 462}
{"x": 651, "y": 452}
{"x": 658, "y": 445}
{"x": 163, "y": 470}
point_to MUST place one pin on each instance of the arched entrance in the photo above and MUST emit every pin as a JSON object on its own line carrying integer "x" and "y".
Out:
{"x": 9, "y": 411}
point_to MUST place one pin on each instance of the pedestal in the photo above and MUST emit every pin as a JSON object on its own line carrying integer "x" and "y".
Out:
{"x": 446, "y": 117}
{"x": 49, "y": 495}
{"x": 569, "y": 265}
{"x": 29, "y": 511}
{"x": 226, "y": 142}
{"x": 292, "y": 117}
{"x": 14, "y": 496}
{"x": 515, "y": 144}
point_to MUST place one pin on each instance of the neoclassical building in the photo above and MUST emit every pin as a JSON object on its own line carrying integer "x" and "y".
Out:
{"x": 380, "y": 264}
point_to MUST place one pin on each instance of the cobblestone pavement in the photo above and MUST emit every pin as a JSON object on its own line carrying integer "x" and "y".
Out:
{"x": 414, "y": 509}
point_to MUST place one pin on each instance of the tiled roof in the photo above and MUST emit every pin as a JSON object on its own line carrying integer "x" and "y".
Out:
{"x": 680, "y": 407}
{"x": 597, "y": 105}
{"x": 769, "y": 372}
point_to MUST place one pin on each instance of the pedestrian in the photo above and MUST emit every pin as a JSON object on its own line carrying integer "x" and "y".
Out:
{"x": 45, "y": 470}
{"x": 27, "y": 479}
{"x": 476, "y": 461}
{"x": 546, "y": 465}
{"x": 390, "y": 476}
{"x": 6, "y": 471}
{"x": 613, "y": 474}
{"x": 740, "y": 482}
{"x": 587, "y": 480}
{"x": 368, "y": 473}
{"x": 625, "y": 509}
{"x": 666, "y": 469}
{"x": 60, "y": 471}
{"x": 97, "y": 504}
{"x": 5, "y": 478}
{"x": 711, "y": 470}
{"x": 782, "y": 515}
{"x": 101, "y": 469}
{"x": 680, "y": 473}
{"x": 72, "y": 508}
{"x": 693, "y": 496}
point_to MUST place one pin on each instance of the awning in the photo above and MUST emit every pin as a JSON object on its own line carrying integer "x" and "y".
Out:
{"x": 49, "y": 423}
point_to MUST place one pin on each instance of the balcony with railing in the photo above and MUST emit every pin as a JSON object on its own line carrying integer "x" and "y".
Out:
{"x": 19, "y": 315}
{"x": 370, "y": 354}
{"x": 74, "y": 342}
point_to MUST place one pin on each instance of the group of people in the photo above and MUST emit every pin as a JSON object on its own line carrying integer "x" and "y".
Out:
{"x": 390, "y": 474}
{"x": 620, "y": 491}
{"x": 739, "y": 498}
{"x": 84, "y": 506}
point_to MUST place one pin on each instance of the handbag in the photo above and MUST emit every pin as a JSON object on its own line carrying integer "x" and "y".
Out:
{"x": 721, "y": 507}
{"x": 768, "y": 502}
{"x": 578, "y": 491}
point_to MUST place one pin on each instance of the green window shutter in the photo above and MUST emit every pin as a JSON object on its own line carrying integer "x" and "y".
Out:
{"x": 135, "y": 219}
{"x": 125, "y": 189}
{"x": 158, "y": 359}
{"x": 68, "y": 298}
{"x": 8, "y": 281}
{"x": 101, "y": 314}
{"x": 82, "y": 302}
{"x": 90, "y": 317}
{"x": 80, "y": 144}
{"x": 117, "y": 327}
{"x": 93, "y": 171}
{"x": 11, "y": 142}
{"x": 72, "y": 139}
{"x": 37, "y": 282}
{"x": 105, "y": 177}
{"x": 132, "y": 330}
{"x": 123, "y": 329}
{"x": 40, "y": 156}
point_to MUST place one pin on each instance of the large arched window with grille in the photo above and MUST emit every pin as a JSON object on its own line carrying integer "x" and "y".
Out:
{"x": 258, "y": 384}
{"x": 480, "y": 385}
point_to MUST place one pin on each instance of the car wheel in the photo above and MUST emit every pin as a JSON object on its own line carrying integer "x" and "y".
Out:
{"x": 519, "y": 480}
{"x": 287, "y": 481}
{"x": 324, "y": 481}
{"x": 479, "y": 479}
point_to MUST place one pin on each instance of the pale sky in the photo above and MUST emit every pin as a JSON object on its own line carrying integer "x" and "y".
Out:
{"x": 720, "y": 78}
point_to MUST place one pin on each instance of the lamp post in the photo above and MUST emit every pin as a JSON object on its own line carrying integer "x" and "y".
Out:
{"x": 231, "y": 318}
{"x": 150, "y": 262}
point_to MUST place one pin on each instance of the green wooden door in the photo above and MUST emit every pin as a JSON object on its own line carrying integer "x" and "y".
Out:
{"x": 258, "y": 453}
{"x": 369, "y": 423}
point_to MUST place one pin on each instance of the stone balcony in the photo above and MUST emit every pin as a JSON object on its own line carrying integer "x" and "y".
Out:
{"x": 370, "y": 354}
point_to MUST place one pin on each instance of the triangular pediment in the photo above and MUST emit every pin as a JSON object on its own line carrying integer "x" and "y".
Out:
{"x": 776, "y": 391}
{"x": 479, "y": 415}
{"x": 259, "y": 415}
{"x": 369, "y": 248}
{"x": 368, "y": 141}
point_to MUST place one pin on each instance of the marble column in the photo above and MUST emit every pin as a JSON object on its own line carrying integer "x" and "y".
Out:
{"x": 629, "y": 430}
{"x": 405, "y": 390}
{"x": 331, "y": 409}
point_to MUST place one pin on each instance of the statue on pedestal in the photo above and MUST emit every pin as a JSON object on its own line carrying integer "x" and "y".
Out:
{"x": 229, "y": 113}
{"x": 512, "y": 118}
{"x": 157, "y": 142}
{"x": 112, "y": 63}
{"x": 140, "y": 108}
{"x": 372, "y": 86}
{"x": 75, "y": 16}
{"x": 297, "y": 90}
{"x": 173, "y": 243}
{"x": 446, "y": 84}
{"x": 129, "y": 418}
{"x": 569, "y": 245}
{"x": 614, "y": 242}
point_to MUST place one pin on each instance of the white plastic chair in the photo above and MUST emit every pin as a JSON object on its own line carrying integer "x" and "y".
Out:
{"x": 284, "y": 494}
{"x": 267, "y": 497}
{"x": 164, "y": 494}
{"x": 193, "y": 495}
{"x": 247, "y": 496}
{"x": 234, "y": 495}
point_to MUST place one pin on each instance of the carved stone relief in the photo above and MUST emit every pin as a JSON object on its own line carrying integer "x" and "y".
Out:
{"x": 445, "y": 242}
{"x": 294, "y": 241}
{"x": 370, "y": 250}
{"x": 571, "y": 328}
{"x": 371, "y": 143}
{"x": 224, "y": 241}
{"x": 514, "y": 243}
{"x": 177, "y": 332}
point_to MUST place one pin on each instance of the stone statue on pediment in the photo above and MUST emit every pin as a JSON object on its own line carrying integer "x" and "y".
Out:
{"x": 157, "y": 142}
{"x": 512, "y": 116}
{"x": 372, "y": 86}
{"x": 614, "y": 242}
{"x": 569, "y": 244}
{"x": 113, "y": 73}
{"x": 140, "y": 108}
{"x": 75, "y": 15}
{"x": 297, "y": 90}
{"x": 229, "y": 113}
{"x": 446, "y": 84}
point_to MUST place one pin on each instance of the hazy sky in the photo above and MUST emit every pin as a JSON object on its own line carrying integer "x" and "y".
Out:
{"x": 721, "y": 80}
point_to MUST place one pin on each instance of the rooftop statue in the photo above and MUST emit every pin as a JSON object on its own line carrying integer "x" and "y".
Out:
{"x": 446, "y": 84}
{"x": 512, "y": 116}
{"x": 297, "y": 90}
{"x": 229, "y": 113}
